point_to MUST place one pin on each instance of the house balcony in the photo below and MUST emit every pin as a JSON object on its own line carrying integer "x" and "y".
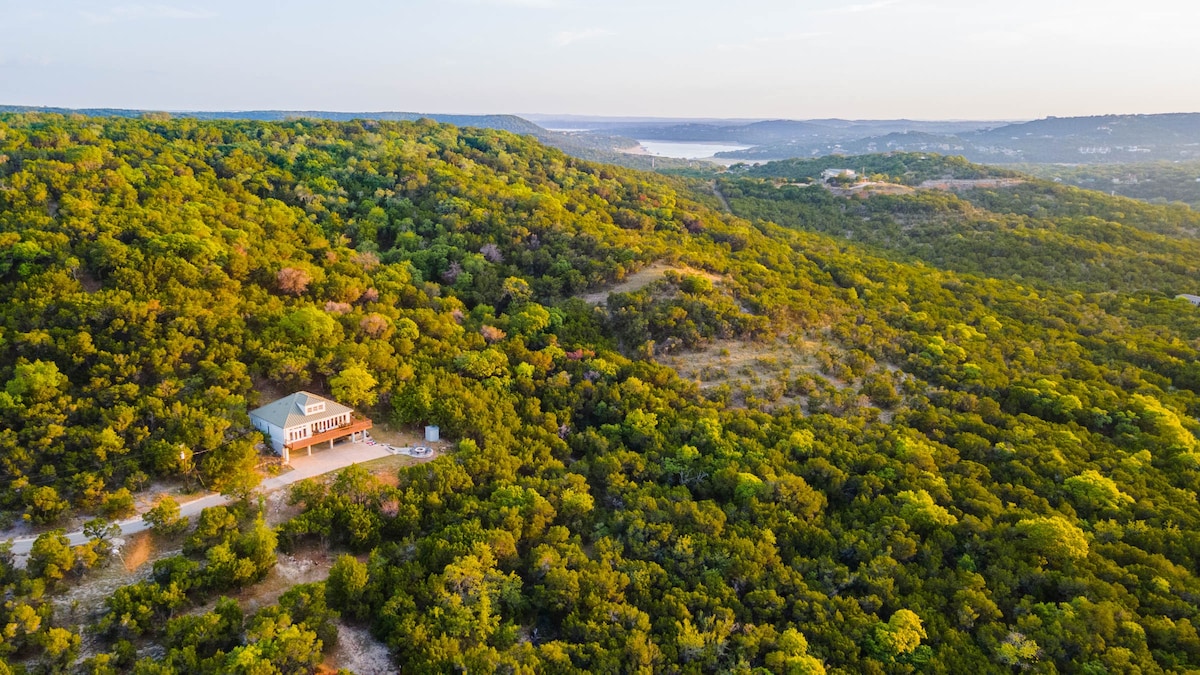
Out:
{"x": 357, "y": 424}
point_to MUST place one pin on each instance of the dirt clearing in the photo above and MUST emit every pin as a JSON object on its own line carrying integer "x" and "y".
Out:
{"x": 970, "y": 183}
{"x": 138, "y": 550}
{"x": 359, "y": 652}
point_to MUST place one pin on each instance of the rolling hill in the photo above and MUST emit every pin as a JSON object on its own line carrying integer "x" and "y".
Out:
{"x": 1104, "y": 139}
{"x": 925, "y": 432}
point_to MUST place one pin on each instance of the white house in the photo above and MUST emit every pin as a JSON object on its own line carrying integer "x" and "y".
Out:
{"x": 303, "y": 420}
{"x": 1194, "y": 299}
{"x": 837, "y": 173}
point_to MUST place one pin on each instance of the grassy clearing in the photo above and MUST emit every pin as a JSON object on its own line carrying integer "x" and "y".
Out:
{"x": 754, "y": 372}
{"x": 796, "y": 371}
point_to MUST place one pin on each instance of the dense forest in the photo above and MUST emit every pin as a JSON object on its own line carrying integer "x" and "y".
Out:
{"x": 1155, "y": 182}
{"x": 904, "y": 168}
{"x": 591, "y": 145}
{"x": 991, "y": 465}
{"x": 1052, "y": 235}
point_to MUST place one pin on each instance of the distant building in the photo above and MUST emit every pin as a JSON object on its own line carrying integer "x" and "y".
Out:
{"x": 303, "y": 420}
{"x": 1194, "y": 299}
{"x": 838, "y": 173}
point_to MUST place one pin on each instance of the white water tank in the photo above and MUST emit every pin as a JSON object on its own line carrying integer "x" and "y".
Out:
{"x": 433, "y": 434}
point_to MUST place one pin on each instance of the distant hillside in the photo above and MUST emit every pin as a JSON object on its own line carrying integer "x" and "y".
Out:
{"x": 598, "y": 147}
{"x": 511, "y": 123}
{"x": 1079, "y": 140}
{"x": 903, "y": 168}
{"x": 1039, "y": 232}
{"x": 770, "y": 132}
{"x": 1118, "y": 129}
{"x": 755, "y": 133}
{"x": 1106, "y": 139}
{"x": 1156, "y": 182}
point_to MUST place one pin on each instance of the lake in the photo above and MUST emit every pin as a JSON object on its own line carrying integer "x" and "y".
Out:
{"x": 687, "y": 149}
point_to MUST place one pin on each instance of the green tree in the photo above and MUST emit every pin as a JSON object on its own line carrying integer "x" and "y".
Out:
{"x": 51, "y": 557}
{"x": 902, "y": 633}
{"x": 36, "y": 382}
{"x": 1091, "y": 490}
{"x": 44, "y": 505}
{"x": 1053, "y": 538}
{"x": 920, "y": 509}
{"x": 354, "y": 385}
{"x": 311, "y": 327}
{"x": 791, "y": 656}
{"x": 164, "y": 519}
{"x": 61, "y": 647}
{"x": 101, "y": 533}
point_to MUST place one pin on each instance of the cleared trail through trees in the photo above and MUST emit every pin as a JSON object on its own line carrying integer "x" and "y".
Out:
{"x": 716, "y": 189}
{"x": 643, "y": 278}
{"x": 303, "y": 466}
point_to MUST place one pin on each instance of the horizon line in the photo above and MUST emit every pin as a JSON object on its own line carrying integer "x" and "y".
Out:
{"x": 527, "y": 115}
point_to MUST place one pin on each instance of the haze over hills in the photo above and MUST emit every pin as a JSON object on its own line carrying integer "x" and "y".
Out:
{"x": 1075, "y": 140}
{"x": 776, "y": 131}
{"x": 1107, "y": 139}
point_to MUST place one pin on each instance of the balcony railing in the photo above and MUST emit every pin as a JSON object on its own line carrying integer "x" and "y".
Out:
{"x": 357, "y": 423}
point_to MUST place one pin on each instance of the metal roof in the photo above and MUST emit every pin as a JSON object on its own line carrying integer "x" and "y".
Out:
{"x": 288, "y": 411}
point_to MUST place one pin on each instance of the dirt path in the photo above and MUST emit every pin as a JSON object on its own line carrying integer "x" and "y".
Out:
{"x": 643, "y": 278}
{"x": 720, "y": 197}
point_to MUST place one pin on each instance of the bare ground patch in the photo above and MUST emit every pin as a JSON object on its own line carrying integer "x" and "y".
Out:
{"x": 277, "y": 508}
{"x": 268, "y": 390}
{"x": 85, "y": 278}
{"x": 359, "y": 652}
{"x": 138, "y": 550}
{"x": 308, "y": 563}
{"x": 970, "y": 183}
{"x": 871, "y": 188}
{"x": 386, "y": 469}
{"x": 83, "y": 603}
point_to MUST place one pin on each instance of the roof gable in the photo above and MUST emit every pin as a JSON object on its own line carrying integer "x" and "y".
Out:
{"x": 290, "y": 411}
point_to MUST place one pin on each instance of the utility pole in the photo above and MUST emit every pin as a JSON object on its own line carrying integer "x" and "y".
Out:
{"x": 189, "y": 467}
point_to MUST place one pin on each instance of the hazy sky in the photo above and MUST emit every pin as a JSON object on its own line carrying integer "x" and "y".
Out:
{"x": 1000, "y": 59}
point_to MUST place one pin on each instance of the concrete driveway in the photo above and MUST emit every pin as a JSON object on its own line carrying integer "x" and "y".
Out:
{"x": 322, "y": 461}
